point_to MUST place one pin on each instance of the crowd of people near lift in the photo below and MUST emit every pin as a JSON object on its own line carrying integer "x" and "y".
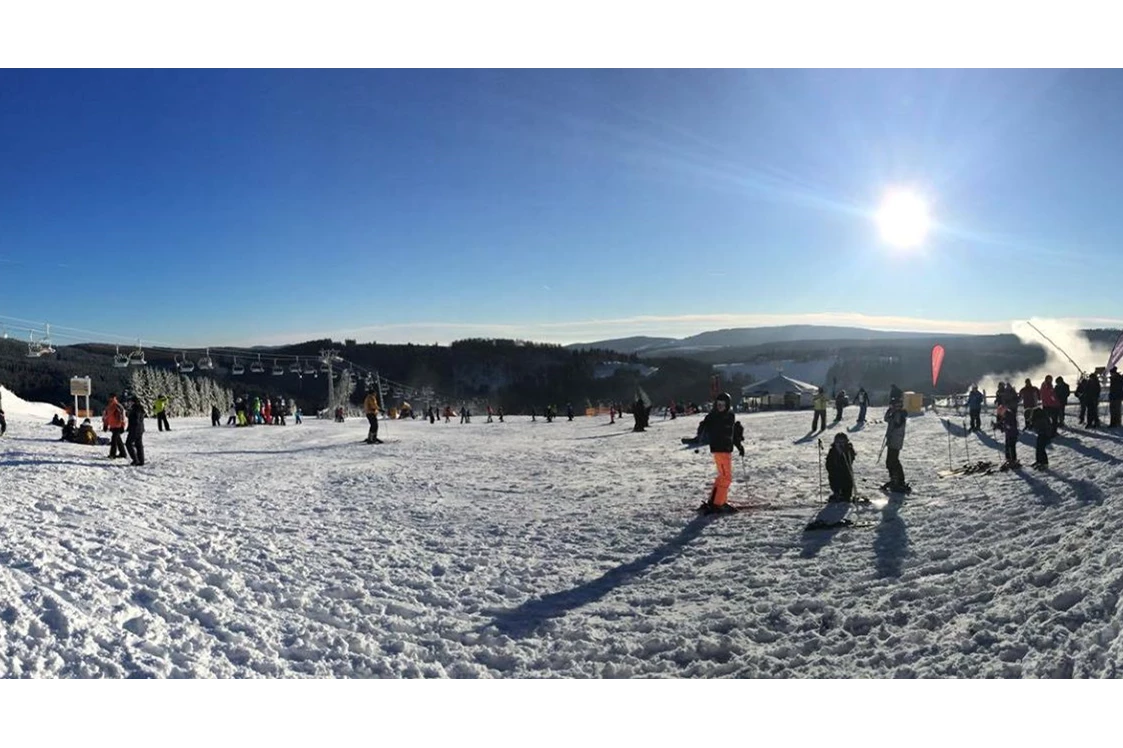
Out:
{"x": 250, "y": 411}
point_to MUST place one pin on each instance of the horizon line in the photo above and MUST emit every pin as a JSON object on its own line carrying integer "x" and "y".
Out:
{"x": 675, "y": 327}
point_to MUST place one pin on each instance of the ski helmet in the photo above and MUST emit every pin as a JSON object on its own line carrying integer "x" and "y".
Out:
{"x": 728, "y": 400}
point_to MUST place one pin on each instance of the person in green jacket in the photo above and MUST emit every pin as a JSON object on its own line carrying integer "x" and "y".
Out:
{"x": 819, "y": 403}
{"x": 160, "y": 408}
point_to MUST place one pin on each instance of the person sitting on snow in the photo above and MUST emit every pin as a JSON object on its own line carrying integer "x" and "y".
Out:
{"x": 86, "y": 433}
{"x": 69, "y": 430}
{"x": 840, "y": 468}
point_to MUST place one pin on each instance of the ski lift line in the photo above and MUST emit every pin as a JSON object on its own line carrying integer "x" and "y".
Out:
{"x": 136, "y": 358}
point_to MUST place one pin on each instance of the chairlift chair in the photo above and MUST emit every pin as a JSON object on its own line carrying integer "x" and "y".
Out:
{"x": 136, "y": 358}
{"x": 44, "y": 346}
{"x": 237, "y": 369}
{"x": 34, "y": 350}
{"x": 278, "y": 370}
{"x": 295, "y": 368}
{"x": 121, "y": 361}
{"x": 309, "y": 368}
{"x": 205, "y": 363}
{"x": 186, "y": 365}
{"x": 257, "y": 367}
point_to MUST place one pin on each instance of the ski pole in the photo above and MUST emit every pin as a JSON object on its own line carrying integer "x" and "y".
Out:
{"x": 884, "y": 439}
{"x": 745, "y": 476}
{"x": 966, "y": 447}
{"x": 820, "y": 471}
{"x": 947, "y": 423}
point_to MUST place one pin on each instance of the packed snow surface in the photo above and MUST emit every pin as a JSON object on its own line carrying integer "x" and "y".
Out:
{"x": 563, "y": 549}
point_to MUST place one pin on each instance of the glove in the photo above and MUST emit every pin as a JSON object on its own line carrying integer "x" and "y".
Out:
{"x": 740, "y": 448}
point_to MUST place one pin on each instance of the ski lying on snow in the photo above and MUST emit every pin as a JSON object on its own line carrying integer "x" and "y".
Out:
{"x": 982, "y": 467}
{"x": 843, "y": 524}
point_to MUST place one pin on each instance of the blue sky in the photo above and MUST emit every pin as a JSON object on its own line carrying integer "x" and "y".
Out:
{"x": 210, "y": 207}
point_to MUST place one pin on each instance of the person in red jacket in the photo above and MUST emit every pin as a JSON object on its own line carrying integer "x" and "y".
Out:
{"x": 114, "y": 420}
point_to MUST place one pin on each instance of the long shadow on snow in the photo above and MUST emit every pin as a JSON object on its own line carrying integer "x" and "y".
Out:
{"x": 1042, "y": 490}
{"x": 957, "y": 430}
{"x": 1091, "y": 452}
{"x": 30, "y": 463}
{"x": 1104, "y": 434}
{"x": 987, "y": 438}
{"x": 1087, "y": 492}
{"x": 524, "y": 620}
{"x": 604, "y": 436}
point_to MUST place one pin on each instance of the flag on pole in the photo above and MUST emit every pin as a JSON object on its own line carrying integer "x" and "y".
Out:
{"x": 937, "y": 361}
{"x": 1116, "y": 353}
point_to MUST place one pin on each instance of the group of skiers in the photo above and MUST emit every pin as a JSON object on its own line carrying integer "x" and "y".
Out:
{"x": 724, "y": 433}
{"x": 841, "y": 455}
{"x": 247, "y": 411}
{"x": 819, "y": 405}
{"x": 117, "y": 420}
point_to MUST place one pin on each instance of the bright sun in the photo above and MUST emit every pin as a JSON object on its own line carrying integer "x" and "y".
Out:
{"x": 903, "y": 219}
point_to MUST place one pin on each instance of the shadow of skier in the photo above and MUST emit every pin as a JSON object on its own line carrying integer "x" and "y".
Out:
{"x": 1094, "y": 453}
{"x": 826, "y": 522}
{"x": 1045, "y": 493}
{"x": 524, "y": 620}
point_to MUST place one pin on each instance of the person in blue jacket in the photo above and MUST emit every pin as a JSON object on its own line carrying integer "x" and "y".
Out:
{"x": 975, "y": 408}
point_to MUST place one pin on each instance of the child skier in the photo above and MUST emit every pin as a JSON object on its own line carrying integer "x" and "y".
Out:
{"x": 1008, "y": 422}
{"x": 725, "y": 434}
{"x": 840, "y": 468}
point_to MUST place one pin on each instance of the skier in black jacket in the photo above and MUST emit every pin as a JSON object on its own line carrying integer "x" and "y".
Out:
{"x": 725, "y": 434}
{"x": 1092, "y": 401}
{"x": 1062, "y": 391}
{"x": 134, "y": 442}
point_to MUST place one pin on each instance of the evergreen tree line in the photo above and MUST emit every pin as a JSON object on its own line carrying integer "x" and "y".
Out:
{"x": 187, "y": 396}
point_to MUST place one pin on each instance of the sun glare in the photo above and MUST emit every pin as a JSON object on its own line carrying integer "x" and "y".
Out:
{"x": 903, "y": 219}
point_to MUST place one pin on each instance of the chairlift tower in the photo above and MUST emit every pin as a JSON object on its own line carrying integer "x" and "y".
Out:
{"x": 327, "y": 356}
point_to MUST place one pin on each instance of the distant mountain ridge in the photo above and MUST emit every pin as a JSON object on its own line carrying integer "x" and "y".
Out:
{"x": 745, "y": 336}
